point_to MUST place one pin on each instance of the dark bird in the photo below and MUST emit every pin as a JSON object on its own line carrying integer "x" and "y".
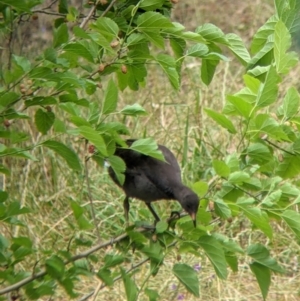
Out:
{"x": 149, "y": 180}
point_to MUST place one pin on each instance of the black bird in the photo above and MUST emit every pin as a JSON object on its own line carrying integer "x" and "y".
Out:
{"x": 149, "y": 180}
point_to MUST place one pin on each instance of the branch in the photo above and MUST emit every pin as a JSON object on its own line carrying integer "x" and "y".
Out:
{"x": 85, "y": 254}
{"x": 127, "y": 272}
{"x": 116, "y": 278}
{"x": 278, "y": 147}
{"x": 90, "y": 194}
{"x": 89, "y": 16}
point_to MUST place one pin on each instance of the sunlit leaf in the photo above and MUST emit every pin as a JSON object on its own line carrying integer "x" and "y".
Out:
{"x": 188, "y": 277}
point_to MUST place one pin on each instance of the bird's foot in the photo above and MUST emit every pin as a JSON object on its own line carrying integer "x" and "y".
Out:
{"x": 174, "y": 215}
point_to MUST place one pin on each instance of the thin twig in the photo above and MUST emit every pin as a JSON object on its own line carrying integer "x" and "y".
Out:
{"x": 86, "y": 297}
{"x": 89, "y": 16}
{"x": 276, "y": 146}
{"x": 90, "y": 194}
{"x": 50, "y": 5}
{"x": 108, "y": 8}
{"x": 85, "y": 254}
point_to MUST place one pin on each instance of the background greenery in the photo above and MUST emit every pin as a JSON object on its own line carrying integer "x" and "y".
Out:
{"x": 226, "y": 106}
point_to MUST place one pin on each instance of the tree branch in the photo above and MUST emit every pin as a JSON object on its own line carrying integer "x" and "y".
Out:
{"x": 86, "y": 297}
{"x": 85, "y": 254}
{"x": 90, "y": 194}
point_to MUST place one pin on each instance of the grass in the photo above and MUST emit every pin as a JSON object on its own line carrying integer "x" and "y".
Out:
{"x": 177, "y": 120}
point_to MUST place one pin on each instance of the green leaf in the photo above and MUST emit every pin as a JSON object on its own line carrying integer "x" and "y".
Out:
{"x": 261, "y": 36}
{"x": 66, "y": 153}
{"x": 133, "y": 110}
{"x": 215, "y": 254}
{"x": 41, "y": 72}
{"x": 258, "y": 218}
{"x": 154, "y": 251}
{"x": 238, "y": 48}
{"x": 262, "y": 255}
{"x": 80, "y": 50}
{"x": 22, "y": 62}
{"x": 178, "y": 47}
{"x": 284, "y": 61}
{"x": 268, "y": 91}
{"x": 232, "y": 261}
{"x": 68, "y": 284}
{"x": 118, "y": 166}
{"x": 19, "y": 5}
{"x": 161, "y": 226}
{"x": 152, "y": 294}
{"x": 78, "y": 212}
{"x": 155, "y": 38}
{"x": 105, "y": 275}
{"x": 40, "y": 100}
{"x": 289, "y": 167}
{"x": 63, "y": 6}
{"x": 110, "y": 98}
{"x": 151, "y": 4}
{"x": 14, "y": 208}
{"x": 44, "y": 120}
{"x": 221, "y": 168}
{"x": 197, "y": 50}
{"x": 8, "y": 98}
{"x": 147, "y": 147}
{"x": 222, "y": 209}
{"x": 107, "y": 27}
{"x": 258, "y": 71}
{"x": 221, "y": 120}
{"x": 265, "y": 56}
{"x": 263, "y": 123}
{"x": 208, "y": 68}
{"x": 292, "y": 219}
{"x": 131, "y": 288}
{"x": 252, "y": 83}
{"x": 61, "y": 35}
{"x": 112, "y": 260}
{"x": 241, "y": 106}
{"x": 291, "y": 103}
{"x": 95, "y": 138}
{"x": 228, "y": 244}
{"x": 55, "y": 267}
{"x": 212, "y": 33}
{"x": 188, "y": 277}
{"x": 3, "y": 196}
{"x": 263, "y": 277}
{"x": 238, "y": 177}
{"x": 168, "y": 64}
{"x": 259, "y": 153}
{"x": 79, "y": 121}
{"x": 17, "y": 152}
{"x": 201, "y": 188}
{"x": 153, "y": 20}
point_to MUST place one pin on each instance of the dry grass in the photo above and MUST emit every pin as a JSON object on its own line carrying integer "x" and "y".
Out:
{"x": 47, "y": 186}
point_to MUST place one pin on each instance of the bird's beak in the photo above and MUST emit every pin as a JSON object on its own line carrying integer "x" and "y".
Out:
{"x": 193, "y": 216}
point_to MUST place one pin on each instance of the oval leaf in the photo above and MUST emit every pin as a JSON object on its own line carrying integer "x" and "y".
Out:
{"x": 188, "y": 277}
{"x": 95, "y": 138}
{"x": 62, "y": 150}
{"x": 44, "y": 120}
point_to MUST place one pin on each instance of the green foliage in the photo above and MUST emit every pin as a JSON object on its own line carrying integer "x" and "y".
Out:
{"x": 59, "y": 94}
{"x": 188, "y": 277}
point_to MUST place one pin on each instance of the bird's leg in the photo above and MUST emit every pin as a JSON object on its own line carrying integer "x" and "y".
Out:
{"x": 126, "y": 209}
{"x": 157, "y": 219}
{"x": 174, "y": 214}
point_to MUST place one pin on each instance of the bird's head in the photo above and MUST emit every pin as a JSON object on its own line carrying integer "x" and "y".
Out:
{"x": 190, "y": 203}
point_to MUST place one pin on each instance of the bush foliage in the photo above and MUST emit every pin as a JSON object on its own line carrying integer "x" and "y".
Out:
{"x": 111, "y": 45}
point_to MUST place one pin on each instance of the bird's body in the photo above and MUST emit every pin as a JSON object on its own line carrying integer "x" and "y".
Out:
{"x": 149, "y": 180}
